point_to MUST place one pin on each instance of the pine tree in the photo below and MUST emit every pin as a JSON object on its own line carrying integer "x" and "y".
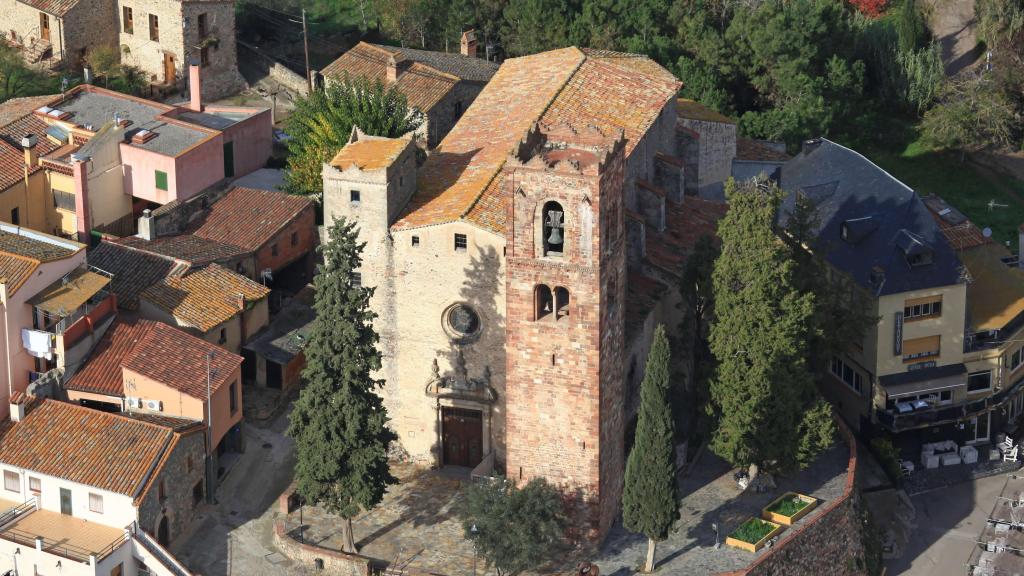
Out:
{"x": 649, "y": 499}
{"x": 760, "y": 336}
{"x": 339, "y": 422}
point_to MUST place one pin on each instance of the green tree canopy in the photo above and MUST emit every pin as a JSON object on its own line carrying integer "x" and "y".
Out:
{"x": 322, "y": 123}
{"x": 515, "y": 529}
{"x": 650, "y": 502}
{"x": 339, "y": 422}
{"x": 760, "y": 337}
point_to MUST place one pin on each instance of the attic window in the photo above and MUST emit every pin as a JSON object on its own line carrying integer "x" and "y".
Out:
{"x": 915, "y": 249}
{"x": 856, "y": 229}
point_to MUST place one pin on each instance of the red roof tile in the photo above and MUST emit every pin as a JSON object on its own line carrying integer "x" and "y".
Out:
{"x": 56, "y": 7}
{"x": 16, "y": 108}
{"x": 176, "y": 359}
{"x": 608, "y": 90}
{"x": 12, "y": 156}
{"x": 102, "y": 372}
{"x": 422, "y": 85}
{"x": 204, "y": 298}
{"x": 82, "y": 445}
{"x": 249, "y": 218}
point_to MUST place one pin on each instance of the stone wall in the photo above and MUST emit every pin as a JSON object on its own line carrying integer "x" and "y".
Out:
{"x": 832, "y": 543}
{"x": 334, "y": 563}
{"x": 272, "y": 69}
{"x": 178, "y": 480}
{"x": 717, "y": 148}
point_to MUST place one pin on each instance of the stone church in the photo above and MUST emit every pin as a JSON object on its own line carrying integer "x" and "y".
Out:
{"x": 521, "y": 269}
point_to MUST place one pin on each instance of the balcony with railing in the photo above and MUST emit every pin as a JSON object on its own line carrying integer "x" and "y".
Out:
{"x": 60, "y": 535}
{"x": 69, "y": 307}
{"x": 921, "y": 414}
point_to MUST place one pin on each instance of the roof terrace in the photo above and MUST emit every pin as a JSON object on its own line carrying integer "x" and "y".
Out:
{"x": 61, "y": 535}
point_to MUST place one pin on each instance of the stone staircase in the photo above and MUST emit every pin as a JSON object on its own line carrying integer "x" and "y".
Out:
{"x": 38, "y": 50}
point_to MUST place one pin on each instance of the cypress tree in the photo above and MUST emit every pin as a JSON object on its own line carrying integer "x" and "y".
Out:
{"x": 760, "y": 336}
{"x": 649, "y": 500}
{"x": 339, "y": 422}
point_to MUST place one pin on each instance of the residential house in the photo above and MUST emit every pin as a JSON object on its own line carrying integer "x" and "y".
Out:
{"x": 257, "y": 233}
{"x": 214, "y": 303}
{"x": 23, "y": 189}
{"x": 54, "y": 306}
{"x": 274, "y": 357}
{"x": 91, "y": 493}
{"x": 106, "y": 156}
{"x": 148, "y": 369}
{"x": 58, "y": 33}
{"x": 439, "y": 85}
{"x": 932, "y": 367}
{"x": 132, "y": 270}
{"x": 162, "y": 38}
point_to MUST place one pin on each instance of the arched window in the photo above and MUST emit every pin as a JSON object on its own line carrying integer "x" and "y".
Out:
{"x": 561, "y": 303}
{"x": 543, "y": 304}
{"x": 554, "y": 229}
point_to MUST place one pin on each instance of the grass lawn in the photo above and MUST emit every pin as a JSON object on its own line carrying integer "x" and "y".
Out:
{"x": 788, "y": 506}
{"x": 897, "y": 148}
{"x": 752, "y": 530}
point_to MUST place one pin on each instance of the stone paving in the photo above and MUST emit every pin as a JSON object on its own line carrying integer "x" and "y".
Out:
{"x": 414, "y": 527}
{"x": 710, "y": 496}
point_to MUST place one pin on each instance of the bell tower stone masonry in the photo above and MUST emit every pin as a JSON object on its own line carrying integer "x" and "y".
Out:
{"x": 565, "y": 325}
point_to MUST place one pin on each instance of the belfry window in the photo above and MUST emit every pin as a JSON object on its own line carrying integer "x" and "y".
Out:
{"x": 554, "y": 229}
{"x": 561, "y": 303}
{"x": 543, "y": 303}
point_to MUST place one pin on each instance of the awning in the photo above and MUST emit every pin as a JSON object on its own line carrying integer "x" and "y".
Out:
{"x": 924, "y": 379}
{"x": 69, "y": 293}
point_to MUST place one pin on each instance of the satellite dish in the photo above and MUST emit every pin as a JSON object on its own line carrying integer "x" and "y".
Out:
{"x": 987, "y": 232}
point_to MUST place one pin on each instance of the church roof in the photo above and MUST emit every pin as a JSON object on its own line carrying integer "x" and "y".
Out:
{"x": 609, "y": 90}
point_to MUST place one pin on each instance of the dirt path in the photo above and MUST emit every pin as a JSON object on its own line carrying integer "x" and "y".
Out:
{"x": 952, "y": 24}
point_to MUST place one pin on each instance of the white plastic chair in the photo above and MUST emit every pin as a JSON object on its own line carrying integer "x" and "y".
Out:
{"x": 1007, "y": 443}
{"x": 1011, "y": 455}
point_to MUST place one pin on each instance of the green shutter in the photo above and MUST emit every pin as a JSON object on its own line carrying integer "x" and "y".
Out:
{"x": 161, "y": 180}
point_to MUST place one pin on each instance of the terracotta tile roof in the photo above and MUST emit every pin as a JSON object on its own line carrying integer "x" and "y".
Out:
{"x": 133, "y": 270}
{"x": 56, "y": 7}
{"x": 422, "y": 85}
{"x": 685, "y": 224}
{"x": 189, "y": 248}
{"x": 82, "y": 445}
{"x": 41, "y": 250}
{"x": 178, "y": 360}
{"x": 460, "y": 179}
{"x": 14, "y": 270}
{"x": 753, "y": 150}
{"x": 693, "y": 110}
{"x": 174, "y": 423}
{"x": 12, "y": 156}
{"x": 369, "y": 153}
{"x": 102, "y": 373}
{"x": 249, "y": 218}
{"x": 204, "y": 298}
{"x": 16, "y": 108}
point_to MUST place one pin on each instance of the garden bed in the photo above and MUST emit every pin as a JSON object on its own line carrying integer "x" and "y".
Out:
{"x": 788, "y": 508}
{"x": 753, "y": 534}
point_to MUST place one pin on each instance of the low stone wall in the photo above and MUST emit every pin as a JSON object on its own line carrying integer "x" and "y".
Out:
{"x": 334, "y": 563}
{"x": 272, "y": 69}
{"x": 832, "y": 543}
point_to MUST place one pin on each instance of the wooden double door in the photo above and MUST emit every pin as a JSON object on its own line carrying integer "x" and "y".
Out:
{"x": 462, "y": 436}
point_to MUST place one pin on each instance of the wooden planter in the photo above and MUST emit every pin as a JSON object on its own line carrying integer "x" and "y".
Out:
{"x": 744, "y": 545}
{"x": 788, "y": 520}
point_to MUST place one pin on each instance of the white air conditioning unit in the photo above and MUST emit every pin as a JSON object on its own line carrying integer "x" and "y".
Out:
{"x": 154, "y": 405}
{"x": 133, "y": 402}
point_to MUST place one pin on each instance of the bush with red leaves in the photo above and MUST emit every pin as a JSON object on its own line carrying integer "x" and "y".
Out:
{"x": 870, "y": 8}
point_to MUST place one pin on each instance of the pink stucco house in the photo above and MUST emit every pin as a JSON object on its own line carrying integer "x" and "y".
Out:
{"x": 118, "y": 155}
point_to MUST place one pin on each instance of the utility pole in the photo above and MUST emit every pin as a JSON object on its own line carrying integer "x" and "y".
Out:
{"x": 211, "y": 464}
{"x": 305, "y": 46}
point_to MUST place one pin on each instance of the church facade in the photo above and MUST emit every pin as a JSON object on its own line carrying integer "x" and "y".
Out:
{"x": 519, "y": 272}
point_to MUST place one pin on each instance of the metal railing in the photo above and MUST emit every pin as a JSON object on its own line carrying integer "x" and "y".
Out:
{"x": 18, "y": 510}
{"x": 945, "y": 414}
{"x": 158, "y": 551}
{"x": 60, "y": 326}
{"x": 61, "y": 548}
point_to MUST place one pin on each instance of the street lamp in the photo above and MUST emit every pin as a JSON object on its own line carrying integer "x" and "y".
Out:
{"x": 473, "y": 531}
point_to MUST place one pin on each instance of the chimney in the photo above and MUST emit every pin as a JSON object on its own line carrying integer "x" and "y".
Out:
{"x": 195, "y": 86}
{"x": 810, "y": 145}
{"x": 80, "y": 174}
{"x": 468, "y": 43}
{"x": 28, "y": 143}
{"x": 147, "y": 227}
{"x": 397, "y": 64}
{"x": 17, "y": 411}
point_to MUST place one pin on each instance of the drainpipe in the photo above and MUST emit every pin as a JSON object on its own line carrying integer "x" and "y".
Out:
{"x": 241, "y": 319}
{"x": 80, "y": 174}
{"x": 7, "y": 345}
{"x": 60, "y": 39}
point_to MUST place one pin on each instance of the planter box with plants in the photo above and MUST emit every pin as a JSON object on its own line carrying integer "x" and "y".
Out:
{"x": 788, "y": 508}
{"x": 753, "y": 534}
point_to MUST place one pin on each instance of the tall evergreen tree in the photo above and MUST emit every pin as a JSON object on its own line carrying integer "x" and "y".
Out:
{"x": 760, "y": 336}
{"x": 322, "y": 122}
{"x": 649, "y": 500}
{"x": 339, "y": 422}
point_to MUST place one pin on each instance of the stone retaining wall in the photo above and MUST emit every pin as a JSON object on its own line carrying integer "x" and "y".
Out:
{"x": 273, "y": 69}
{"x": 831, "y": 543}
{"x": 334, "y": 563}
